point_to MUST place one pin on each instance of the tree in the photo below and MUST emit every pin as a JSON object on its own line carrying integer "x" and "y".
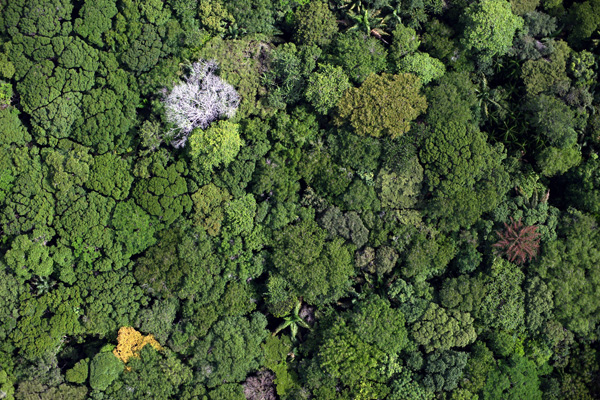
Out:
{"x": 6, "y": 94}
{"x": 444, "y": 370}
{"x": 584, "y": 21}
{"x": 145, "y": 33}
{"x": 110, "y": 300}
{"x": 361, "y": 153}
{"x": 293, "y": 321}
{"x": 398, "y": 190}
{"x": 348, "y": 225}
{"x": 406, "y": 386}
{"x": 369, "y": 115}
{"x": 422, "y": 65}
{"x": 463, "y": 293}
{"x": 79, "y": 373}
{"x": 276, "y": 350}
{"x": 109, "y": 175}
{"x": 152, "y": 375}
{"x": 539, "y": 303}
{"x": 45, "y": 319}
{"x": 28, "y": 257}
{"x": 290, "y": 67}
{"x": 230, "y": 350}
{"x": 453, "y": 98}
{"x": 109, "y": 109}
{"x": 202, "y": 98}
{"x": 228, "y": 391}
{"x": 583, "y": 190}
{"x": 427, "y": 253}
{"x": 503, "y": 306}
{"x": 519, "y": 243}
{"x": 316, "y": 269}
{"x": 567, "y": 267}
{"x": 516, "y": 378}
{"x": 439, "y": 329}
{"x": 84, "y": 94}
{"x": 360, "y": 196}
{"x": 34, "y": 390}
{"x": 554, "y": 121}
{"x": 82, "y": 227}
{"x": 554, "y": 161}
{"x": 405, "y": 42}
{"x": 524, "y": 7}
{"x": 208, "y": 205}
{"x": 7, "y": 70}
{"x": 161, "y": 189}
{"x": 69, "y": 168}
{"x": 104, "y": 369}
{"x": 489, "y": 28}
{"x": 326, "y": 87}
{"x": 10, "y": 289}
{"x": 360, "y": 55}
{"x": 260, "y": 387}
{"x": 463, "y": 172}
{"x": 30, "y": 203}
{"x": 531, "y": 42}
{"x": 6, "y": 385}
{"x": 217, "y": 145}
{"x": 215, "y": 17}
{"x": 315, "y": 23}
{"x": 345, "y": 356}
{"x": 295, "y": 128}
{"x": 543, "y": 76}
{"x": 241, "y": 65}
{"x": 251, "y": 16}
{"x": 95, "y": 19}
{"x": 12, "y": 129}
{"x": 377, "y": 323}
{"x": 131, "y": 342}
{"x": 133, "y": 228}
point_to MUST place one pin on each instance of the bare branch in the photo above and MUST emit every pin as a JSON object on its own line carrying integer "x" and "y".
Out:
{"x": 202, "y": 98}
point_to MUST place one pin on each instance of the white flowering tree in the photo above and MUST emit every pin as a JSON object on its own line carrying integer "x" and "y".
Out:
{"x": 200, "y": 99}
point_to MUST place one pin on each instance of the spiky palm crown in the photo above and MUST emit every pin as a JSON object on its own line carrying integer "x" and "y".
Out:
{"x": 518, "y": 242}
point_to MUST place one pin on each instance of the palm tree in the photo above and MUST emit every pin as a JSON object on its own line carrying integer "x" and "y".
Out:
{"x": 352, "y": 5}
{"x": 293, "y": 321}
{"x": 41, "y": 284}
{"x": 372, "y": 22}
{"x": 487, "y": 96}
{"x": 369, "y": 21}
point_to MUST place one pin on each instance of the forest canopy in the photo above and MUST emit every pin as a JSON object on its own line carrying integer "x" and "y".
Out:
{"x": 299, "y": 199}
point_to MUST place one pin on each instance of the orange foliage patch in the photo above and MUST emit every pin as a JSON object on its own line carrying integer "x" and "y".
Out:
{"x": 131, "y": 342}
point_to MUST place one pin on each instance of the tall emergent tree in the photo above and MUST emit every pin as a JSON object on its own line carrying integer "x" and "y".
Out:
{"x": 202, "y": 98}
{"x": 383, "y": 106}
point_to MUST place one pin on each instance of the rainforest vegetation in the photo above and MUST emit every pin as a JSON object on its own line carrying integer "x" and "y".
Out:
{"x": 299, "y": 199}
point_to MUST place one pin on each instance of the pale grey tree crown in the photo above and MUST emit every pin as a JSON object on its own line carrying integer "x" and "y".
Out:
{"x": 201, "y": 98}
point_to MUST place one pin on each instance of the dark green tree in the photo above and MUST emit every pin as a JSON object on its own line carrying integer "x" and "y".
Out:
{"x": 463, "y": 172}
{"x": 360, "y": 55}
{"x": 325, "y": 87}
{"x": 316, "y": 269}
{"x": 104, "y": 369}
{"x": 439, "y": 329}
{"x": 230, "y": 350}
{"x": 566, "y": 266}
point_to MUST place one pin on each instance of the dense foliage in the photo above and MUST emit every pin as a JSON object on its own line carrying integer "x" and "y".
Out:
{"x": 299, "y": 199}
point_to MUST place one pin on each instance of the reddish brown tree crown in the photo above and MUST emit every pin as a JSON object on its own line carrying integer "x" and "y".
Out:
{"x": 518, "y": 243}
